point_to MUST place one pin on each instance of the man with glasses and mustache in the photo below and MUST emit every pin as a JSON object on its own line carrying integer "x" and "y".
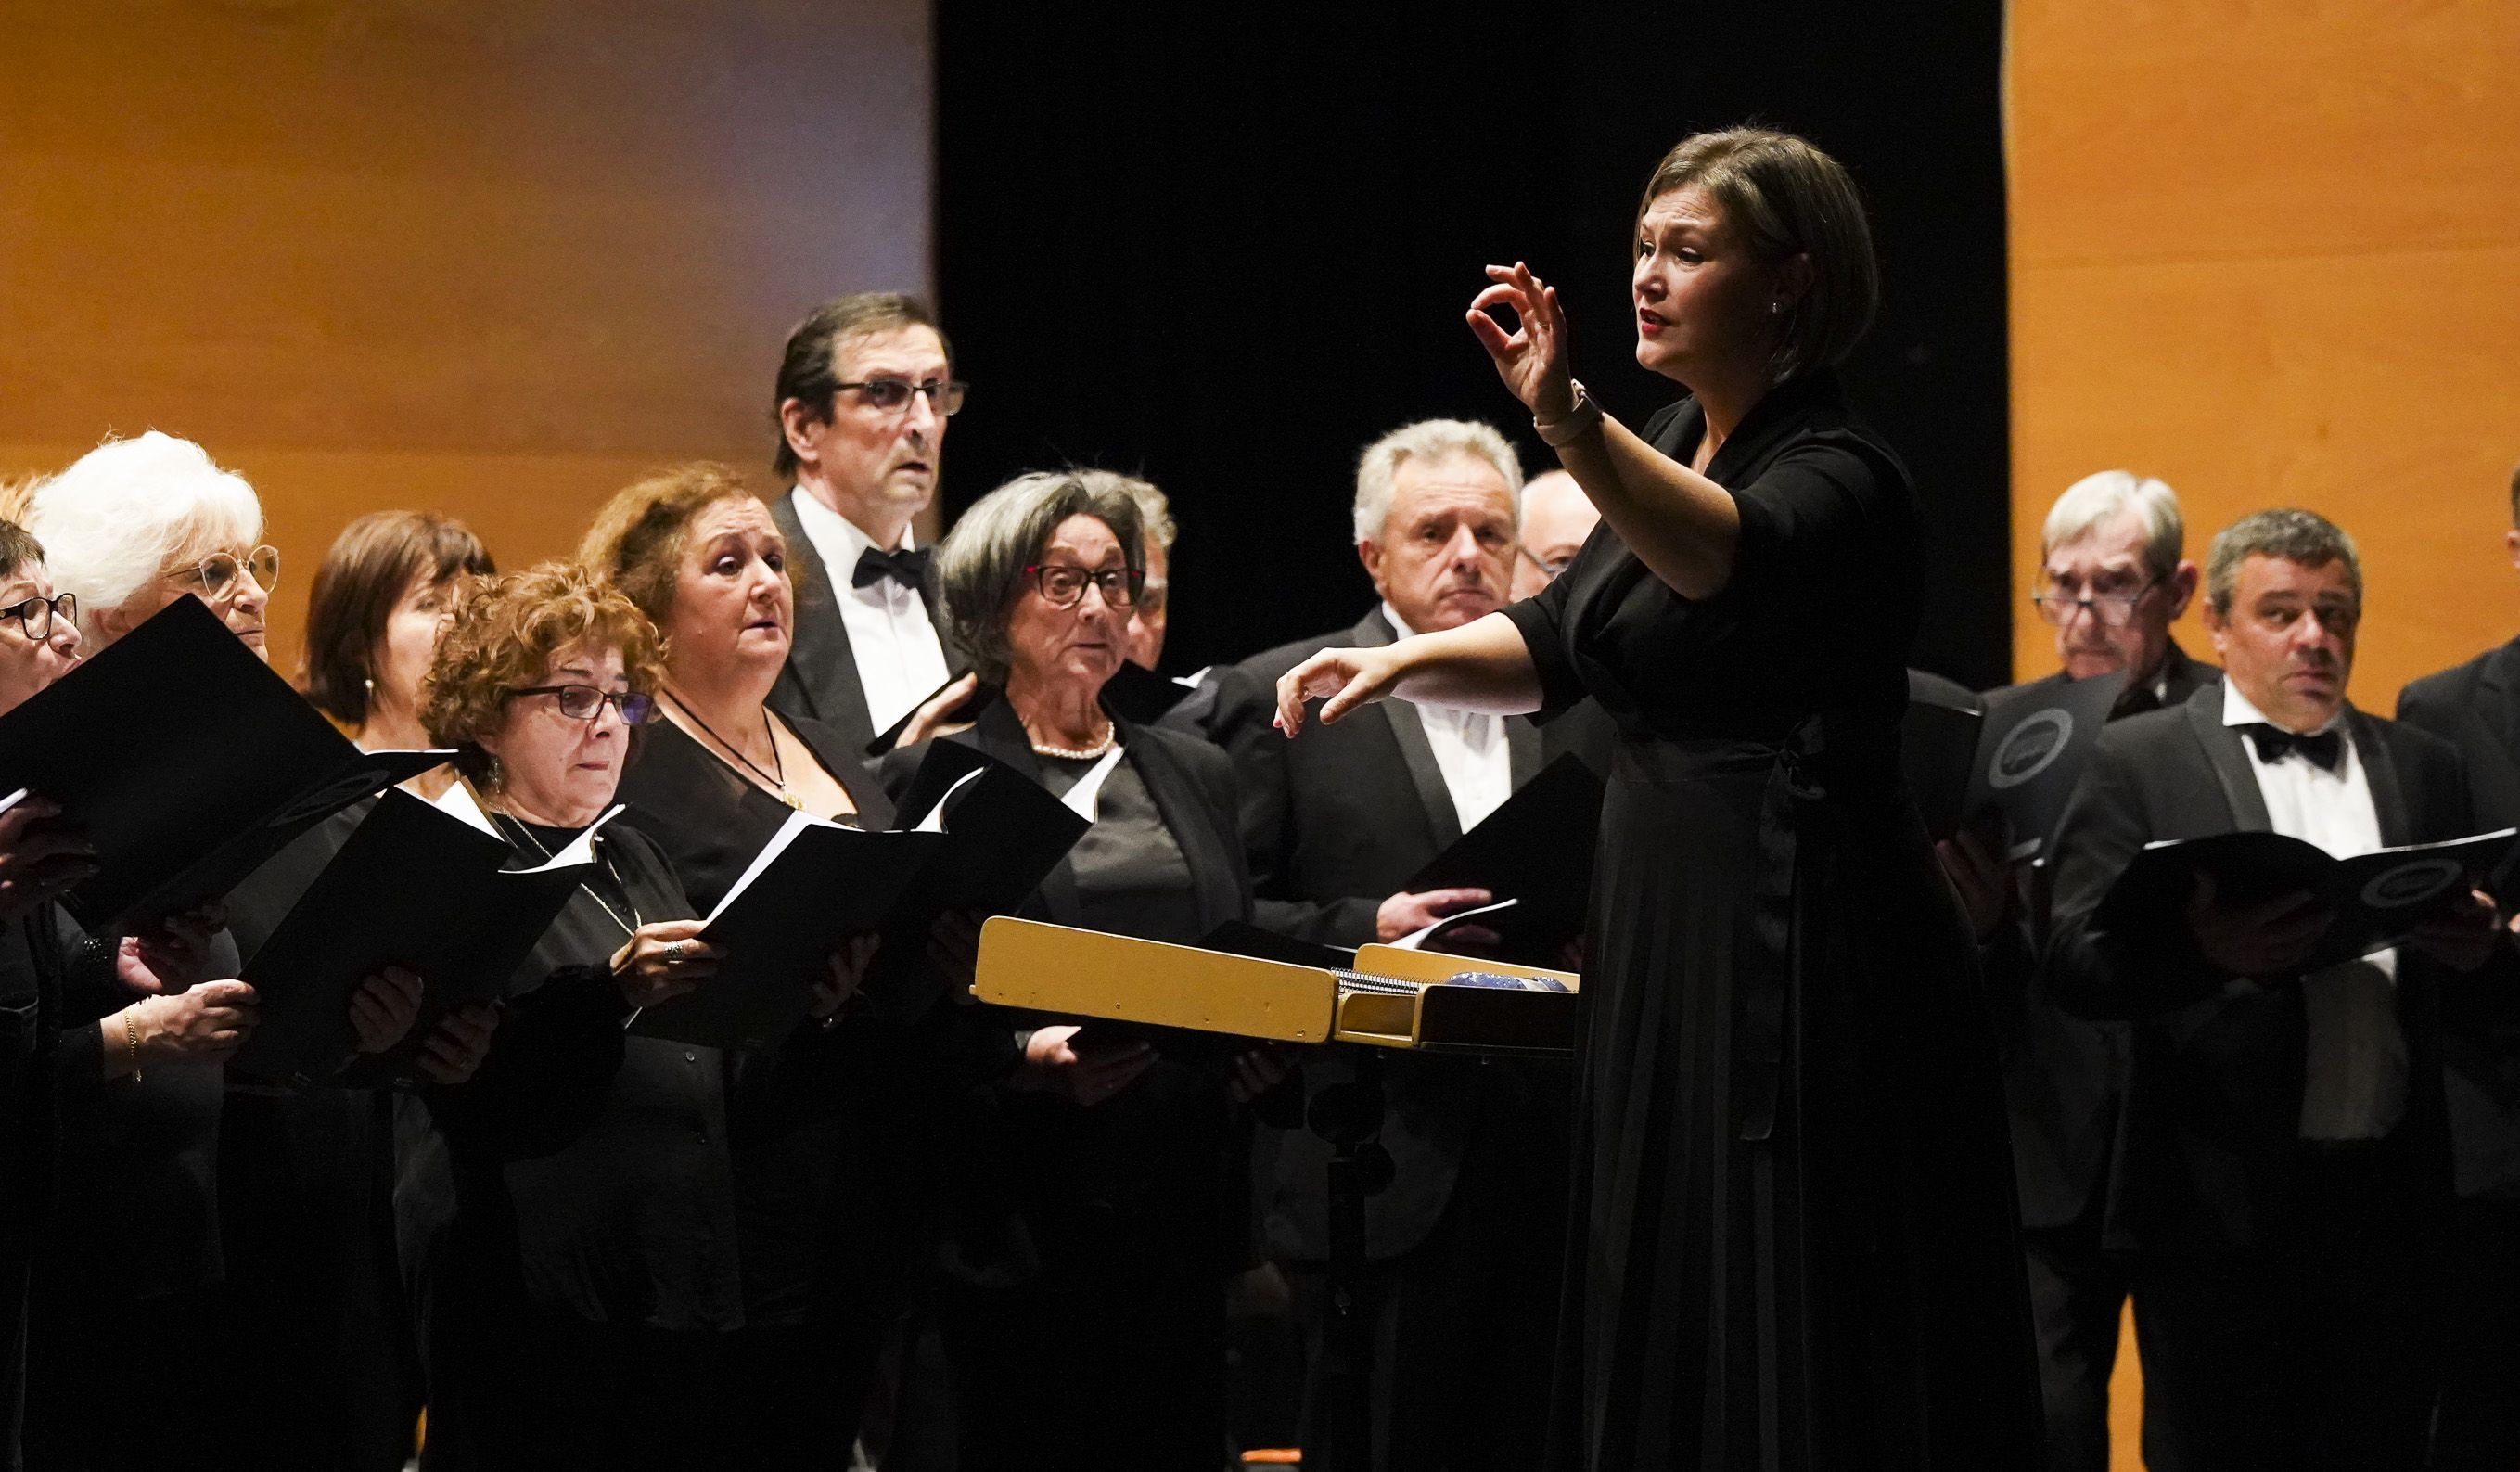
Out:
{"x": 2112, "y": 582}
{"x": 864, "y": 391}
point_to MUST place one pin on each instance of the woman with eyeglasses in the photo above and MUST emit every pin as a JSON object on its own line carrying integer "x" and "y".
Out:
{"x": 834, "y": 1133}
{"x": 589, "y": 1277}
{"x": 1104, "y": 1208}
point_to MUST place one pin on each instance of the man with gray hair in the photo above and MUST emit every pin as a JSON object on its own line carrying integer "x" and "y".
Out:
{"x": 2283, "y": 1174}
{"x": 2476, "y": 707}
{"x": 2113, "y": 577}
{"x": 1463, "y": 1241}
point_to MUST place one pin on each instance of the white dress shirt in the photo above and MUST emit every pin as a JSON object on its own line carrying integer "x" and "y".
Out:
{"x": 1470, "y": 750}
{"x": 900, "y": 660}
{"x": 2355, "y": 1080}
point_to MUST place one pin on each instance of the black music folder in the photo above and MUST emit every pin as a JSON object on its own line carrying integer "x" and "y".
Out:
{"x": 1004, "y": 833}
{"x": 981, "y": 698}
{"x": 1137, "y": 694}
{"x": 2377, "y": 899}
{"x": 1536, "y": 849}
{"x": 814, "y": 885}
{"x": 414, "y": 887}
{"x": 2023, "y": 757}
{"x": 1938, "y": 752}
{"x": 189, "y": 762}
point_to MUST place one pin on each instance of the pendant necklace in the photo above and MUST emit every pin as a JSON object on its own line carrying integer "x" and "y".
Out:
{"x": 777, "y": 779}
{"x": 630, "y": 927}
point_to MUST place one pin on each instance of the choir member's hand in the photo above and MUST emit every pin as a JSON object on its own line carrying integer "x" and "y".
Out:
{"x": 935, "y": 715}
{"x": 954, "y": 945}
{"x": 1350, "y": 677}
{"x": 1532, "y": 359}
{"x": 171, "y": 955}
{"x": 383, "y": 1008}
{"x": 848, "y": 969}
{"x": 1255, "y": 1073}
{"x": 1407, "y": 914}
{"x": 1089, "y": 1077}
{"x": 2464, "y": 939}
{"x": 2269, "y": 938}
{"x": 663, "y": 960}
{"x": 204, "y": 1024}
{"x": 40, "y": 855}
{"x": 1974, "y": 860}
{"x": 455, "y": 1046}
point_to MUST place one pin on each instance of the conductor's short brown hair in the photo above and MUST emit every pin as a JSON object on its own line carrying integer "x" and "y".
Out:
{"x": 363, "y": 574}
{"x": 638, "y": 538}
{"x": 1786, "y": 199}
{"x": 503, "y": 637}
{"x": 809, "y": 369}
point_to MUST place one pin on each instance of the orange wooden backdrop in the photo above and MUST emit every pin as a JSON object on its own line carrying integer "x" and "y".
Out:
{"x": 2271, "y": 252}
{"x": 492, "y": 257}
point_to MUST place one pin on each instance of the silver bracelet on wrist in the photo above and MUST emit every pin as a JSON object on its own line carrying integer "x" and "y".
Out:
{"x": 1576, "y": 422}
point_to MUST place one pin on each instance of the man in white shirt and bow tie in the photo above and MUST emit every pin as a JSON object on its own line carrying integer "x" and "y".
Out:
{"x": 865, "y": 390}
{"x": 2284, "y": 1174}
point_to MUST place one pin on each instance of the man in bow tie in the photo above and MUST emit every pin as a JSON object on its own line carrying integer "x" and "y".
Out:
{"x": 2284, "y": 1175}
{"x": 864, "y": 393}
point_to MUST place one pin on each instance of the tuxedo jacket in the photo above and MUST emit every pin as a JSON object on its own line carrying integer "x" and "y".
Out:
{"x": 1335, "y": 822}
{"x": 2208, "y": 1134}
{"x": 820, "y": 682}
{"x": 2060, "y": 1072}
{"x": 2476, "y": 707}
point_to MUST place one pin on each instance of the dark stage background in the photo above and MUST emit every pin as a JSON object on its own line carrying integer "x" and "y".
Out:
{"x": 1225, "y": 247}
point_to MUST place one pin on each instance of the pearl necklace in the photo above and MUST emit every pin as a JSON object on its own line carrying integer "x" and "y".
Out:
{"x": 1110, "y": 738}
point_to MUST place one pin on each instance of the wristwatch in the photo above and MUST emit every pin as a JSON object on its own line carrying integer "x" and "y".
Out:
{"x": 1573, "y": 425}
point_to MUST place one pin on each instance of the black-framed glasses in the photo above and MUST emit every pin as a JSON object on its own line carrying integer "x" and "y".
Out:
{"x": 584, "y": 702}
{"x": 37, "y": 614}
{"x": 2114, "y": 609}
{"x": 1063, "y": 585}
{"x": 217, "y": 572}
{"x": 1548, "y": 567}
{"x": 891, "y": 395}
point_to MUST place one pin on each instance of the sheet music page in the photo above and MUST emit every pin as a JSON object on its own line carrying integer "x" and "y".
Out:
{"x": 934, "y": 822}
{"x": 1417, "y": 940}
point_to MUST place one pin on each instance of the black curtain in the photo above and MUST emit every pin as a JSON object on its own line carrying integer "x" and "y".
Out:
{"x": 1226, "y": 248}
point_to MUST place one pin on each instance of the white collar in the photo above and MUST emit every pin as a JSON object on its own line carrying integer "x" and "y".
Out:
{"x": 823, "y": 524}
{"x": 2238, "y": 710}
{"x": 1399, "y": 626}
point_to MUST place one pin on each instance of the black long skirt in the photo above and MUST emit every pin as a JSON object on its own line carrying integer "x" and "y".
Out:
{"x": 1794, "y": 1241}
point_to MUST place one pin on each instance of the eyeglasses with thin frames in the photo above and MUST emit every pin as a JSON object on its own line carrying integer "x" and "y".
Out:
{"x": 888, "y": 395}
{"x": 37, "y": 614}
{"x": 1548, "y": 569}
{"x": 1063, "y": 585}
{"x": 217, "y": 572}
{"x": 584, "y": 702}
{"x": 2113, "y": 609}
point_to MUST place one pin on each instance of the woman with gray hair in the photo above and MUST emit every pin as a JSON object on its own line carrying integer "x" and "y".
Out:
{"x": 135, "y": 525}
{"x": 1095, "y": 1311}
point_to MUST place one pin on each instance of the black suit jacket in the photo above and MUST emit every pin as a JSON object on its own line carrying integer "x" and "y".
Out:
{"x": 2207, "y": 1141}
{"x": 1336, "y": 820}
{"x": 2476, "y": 707}
{"x": 821, "y": 679}
{"x": 2062, "y": 1073}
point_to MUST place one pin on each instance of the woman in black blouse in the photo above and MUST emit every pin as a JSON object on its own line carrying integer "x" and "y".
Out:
{"x": 591, "y": 1276}
{"x": 835, "y": 1134}
{"x": 1796, "y": 1245}
{"x": 1087, "y": 1328}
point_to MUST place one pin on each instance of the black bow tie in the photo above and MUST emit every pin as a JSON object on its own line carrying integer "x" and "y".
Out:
{"x": 2324, "y": 749}
{"x": 908, "y": 567}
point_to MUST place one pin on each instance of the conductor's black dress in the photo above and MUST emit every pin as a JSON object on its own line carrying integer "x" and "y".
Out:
{"x": 1794, "y": 1242}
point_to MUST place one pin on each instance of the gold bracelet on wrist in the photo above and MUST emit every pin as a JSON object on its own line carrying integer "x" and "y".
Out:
{"x": 131, "y": 1038}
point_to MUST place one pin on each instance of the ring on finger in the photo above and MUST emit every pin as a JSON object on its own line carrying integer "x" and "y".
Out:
{"x": 675, "y": 949}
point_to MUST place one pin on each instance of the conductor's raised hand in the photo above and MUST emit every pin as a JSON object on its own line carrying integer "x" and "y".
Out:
{"x": 454, "y": 1049}
{"x": 1349, "y": 678}
{"x": 2269, "y": 938}
{"x": 383, "y": 1008}
{"x": 1532, "y": 359}
{"x": 663, "y": 960}
{"x": 41, "y": 856}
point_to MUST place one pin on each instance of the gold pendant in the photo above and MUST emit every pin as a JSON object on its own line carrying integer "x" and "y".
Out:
{"x": 792, "y": 800}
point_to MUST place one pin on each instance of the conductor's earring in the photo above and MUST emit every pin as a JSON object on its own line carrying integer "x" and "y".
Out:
{"x": 371, "y": 684}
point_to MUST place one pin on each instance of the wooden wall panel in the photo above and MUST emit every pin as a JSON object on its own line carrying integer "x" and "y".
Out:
{"x": 2271, "y": 252}
{"x": 487, "y": 257}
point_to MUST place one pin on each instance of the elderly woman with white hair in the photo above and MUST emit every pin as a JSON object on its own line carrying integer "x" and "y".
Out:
{"x": 1091, "y": 1331}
